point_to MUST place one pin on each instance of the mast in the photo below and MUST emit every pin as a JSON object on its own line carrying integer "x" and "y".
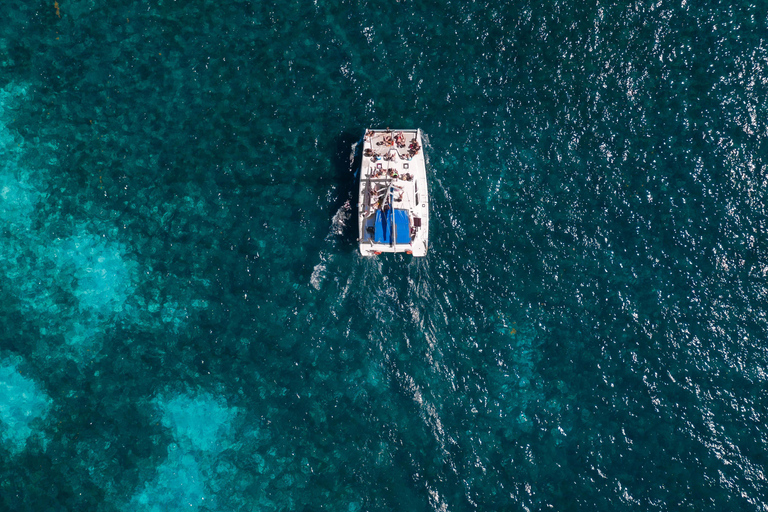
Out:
{"x": 392, "y": 210}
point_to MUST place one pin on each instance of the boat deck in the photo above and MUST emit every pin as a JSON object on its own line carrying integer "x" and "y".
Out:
{"x": 393, "y": 177}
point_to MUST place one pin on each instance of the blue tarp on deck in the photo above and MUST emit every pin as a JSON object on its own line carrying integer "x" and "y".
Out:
{"x": 383, "y": 227}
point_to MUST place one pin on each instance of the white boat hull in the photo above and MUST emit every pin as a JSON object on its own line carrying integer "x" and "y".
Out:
{"x": 393, "y": 199}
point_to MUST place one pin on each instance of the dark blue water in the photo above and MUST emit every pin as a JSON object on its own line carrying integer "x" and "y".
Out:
{"x": 187, "y": 323}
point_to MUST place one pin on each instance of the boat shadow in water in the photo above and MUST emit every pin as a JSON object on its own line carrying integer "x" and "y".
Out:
{"x": 345, "y": 164}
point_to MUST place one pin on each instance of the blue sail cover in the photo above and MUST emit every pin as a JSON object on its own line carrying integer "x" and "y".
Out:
{"x": 383, "y": 227}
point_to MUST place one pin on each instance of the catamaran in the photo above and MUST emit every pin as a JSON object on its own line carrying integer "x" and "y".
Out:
{"x": 393, "y": 204}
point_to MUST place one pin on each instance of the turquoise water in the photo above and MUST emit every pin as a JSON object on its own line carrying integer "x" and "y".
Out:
{"x": 187, "y": 323}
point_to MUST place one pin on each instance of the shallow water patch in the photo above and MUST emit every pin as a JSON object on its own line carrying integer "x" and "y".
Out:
{"x": 22, "y": 405}
{"x": 202, "y": 422}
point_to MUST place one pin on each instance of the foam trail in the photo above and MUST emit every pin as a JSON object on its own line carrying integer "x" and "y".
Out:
{"x": 338, "y": 223}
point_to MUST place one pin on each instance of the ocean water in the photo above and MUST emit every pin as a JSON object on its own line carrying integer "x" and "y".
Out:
{"x": 187, "y": 323}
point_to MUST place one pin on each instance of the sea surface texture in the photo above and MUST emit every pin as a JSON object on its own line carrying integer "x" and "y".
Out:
{"x": 187, "y": 323}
